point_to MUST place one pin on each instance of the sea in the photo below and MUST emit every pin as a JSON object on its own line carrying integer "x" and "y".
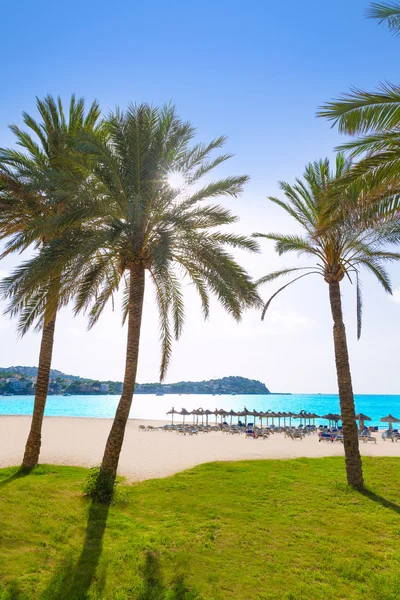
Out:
{"x": 148, "y": 406}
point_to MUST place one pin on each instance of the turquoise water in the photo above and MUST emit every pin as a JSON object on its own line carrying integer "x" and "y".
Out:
{"x": 155, "y": 407}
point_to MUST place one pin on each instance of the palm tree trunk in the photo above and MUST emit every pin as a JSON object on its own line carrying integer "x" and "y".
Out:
{"x": 115, "y": 439}
{"x": 32, "y": 448}
{"x": 350, "y": 433}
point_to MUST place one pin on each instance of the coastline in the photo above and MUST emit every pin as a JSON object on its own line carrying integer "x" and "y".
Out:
{"x": 80, "y": 441}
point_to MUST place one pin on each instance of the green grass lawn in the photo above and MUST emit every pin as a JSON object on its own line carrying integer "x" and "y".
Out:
{"x": 263, "y": 529}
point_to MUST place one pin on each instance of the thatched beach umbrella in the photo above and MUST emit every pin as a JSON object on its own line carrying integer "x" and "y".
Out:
{"x": 222, "y": 413}
{"x": 247, "y": 413}
{"x": 390, "y": 419}
{"x": 184, "y": 413}
{"x": 207, "y": 413}
{"x": 216, "y": 413}
{"x": 285, "y": 415}
{"x": 328, "y": 417}
{"x": 172, "y": 412}
{"x": 270, "y": 415}
{"x": 200, "y": 413}
{"x": 297, "y": 416}
{"x": 362, "y": 418}
{"x": 314, "y": 416}
{"x": 289, "y": 415}
{"x": 231, "y": 414}
{"x": 243, "y": 413}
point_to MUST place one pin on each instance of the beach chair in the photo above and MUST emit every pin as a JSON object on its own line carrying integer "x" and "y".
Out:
{"x": 324, "y": 436}
{"x": 250, "y": 433}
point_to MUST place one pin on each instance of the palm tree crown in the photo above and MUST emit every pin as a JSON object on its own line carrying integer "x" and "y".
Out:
{"x": 30, "y": 199}
{"x": 168, "y": 232}
{"x": 339, "y": 251}
{"x": 374, "y": 117}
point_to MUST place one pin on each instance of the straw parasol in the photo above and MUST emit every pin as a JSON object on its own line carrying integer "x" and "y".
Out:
{"x": 207, "y": 413}
{"x": 255, "y": 413}
{"x": 231, "y": 414}
{"x": 289, "y": 415}
{"x": 172, "y": 412}
{"x": 297, "y": 416}
{"x": 362, "y": 418}
{"x": 184, "y": 413}
{"x": 269, "y": 415}
{"x": 314, "y": 416}
{"x": 330, "y": 417}
{"x": 216, "y": 413}
{"x": 390, "y": 419}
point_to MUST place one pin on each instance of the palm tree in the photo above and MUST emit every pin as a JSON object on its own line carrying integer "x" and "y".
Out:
{"x": 151, "y": 226}
{"x": 374, "y": 117}
{"x": 338, "y": 252}
{"x": 28, "y": 200}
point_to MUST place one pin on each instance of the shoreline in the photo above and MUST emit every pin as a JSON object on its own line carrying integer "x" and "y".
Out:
{"x": 80, "y": 441}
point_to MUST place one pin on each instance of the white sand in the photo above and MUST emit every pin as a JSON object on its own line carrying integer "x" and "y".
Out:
{"x": 146, "y": 455}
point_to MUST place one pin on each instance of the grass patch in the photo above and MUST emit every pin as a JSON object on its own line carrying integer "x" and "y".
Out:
{"x": 264, "y": 529}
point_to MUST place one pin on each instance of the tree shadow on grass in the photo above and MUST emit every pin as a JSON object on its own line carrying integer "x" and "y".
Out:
{"x": 13, "y": 592}
{"x": 154, "y": 586}
{"x": 381, "y": 500}
{"x": 72, "y": 582}
{"x": 19, "y": 474}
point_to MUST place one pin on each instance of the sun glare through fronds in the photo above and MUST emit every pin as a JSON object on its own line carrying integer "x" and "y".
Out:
{"x": 176, "y": 180}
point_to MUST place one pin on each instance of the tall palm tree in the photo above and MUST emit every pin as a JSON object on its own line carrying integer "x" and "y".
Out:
{"x": 151, "y": 226}
{"x": 338, "y": 252}
{"x": 28, "y": 200}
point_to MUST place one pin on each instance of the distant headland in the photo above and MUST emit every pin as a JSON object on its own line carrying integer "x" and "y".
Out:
{"x": 22, "y": 380}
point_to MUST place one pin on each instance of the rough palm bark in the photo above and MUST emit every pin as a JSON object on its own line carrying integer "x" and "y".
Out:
{"x": 346, "y": 396}
{"x": 115, "y": 439}
{"x": 33, "y": 444}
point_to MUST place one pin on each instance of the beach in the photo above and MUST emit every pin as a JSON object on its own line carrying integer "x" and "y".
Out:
{"x": 152, "y": 454}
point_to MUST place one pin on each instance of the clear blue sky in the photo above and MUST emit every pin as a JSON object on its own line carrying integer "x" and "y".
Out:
{"x": 255, "y": 71}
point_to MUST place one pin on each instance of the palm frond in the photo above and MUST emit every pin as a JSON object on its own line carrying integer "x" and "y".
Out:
{"x": 387, "y": 13}
{"x": 359, "y": 111}
{"x": 267, "y": 304}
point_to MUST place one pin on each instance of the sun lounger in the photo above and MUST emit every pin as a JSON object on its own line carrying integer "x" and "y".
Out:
{"x": 367, "y": 438}
{"x": 326, "y": 437}
{"x": 249, "y": 433}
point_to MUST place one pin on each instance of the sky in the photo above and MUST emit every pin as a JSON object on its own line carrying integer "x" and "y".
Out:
{"x": 256, "y": 72}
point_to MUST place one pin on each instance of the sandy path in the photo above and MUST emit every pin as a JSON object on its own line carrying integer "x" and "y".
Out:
{"x": 145, "y": 455}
